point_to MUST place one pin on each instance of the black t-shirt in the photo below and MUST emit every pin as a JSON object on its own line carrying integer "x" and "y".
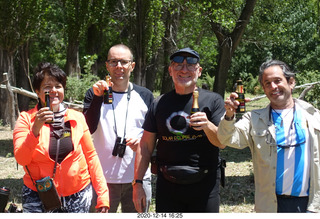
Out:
{"x": 178, "y": 143}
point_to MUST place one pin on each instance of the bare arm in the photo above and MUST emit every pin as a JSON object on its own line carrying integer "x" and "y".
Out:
{"x": 142, "y": 160}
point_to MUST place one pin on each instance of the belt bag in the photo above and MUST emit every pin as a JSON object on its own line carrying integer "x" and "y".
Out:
{"x": 183, "y": 174}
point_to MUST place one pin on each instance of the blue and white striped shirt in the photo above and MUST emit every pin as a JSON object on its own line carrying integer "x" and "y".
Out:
{"x": 293, "y": 168}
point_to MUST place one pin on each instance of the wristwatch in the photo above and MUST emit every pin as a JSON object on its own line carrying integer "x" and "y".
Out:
{"x": 135, "y": 181}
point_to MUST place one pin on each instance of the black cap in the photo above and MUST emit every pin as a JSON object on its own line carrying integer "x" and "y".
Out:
{"x": 186, "y": 50}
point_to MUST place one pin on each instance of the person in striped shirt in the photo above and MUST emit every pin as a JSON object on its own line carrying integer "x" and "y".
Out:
{"x": 284, "y": 140}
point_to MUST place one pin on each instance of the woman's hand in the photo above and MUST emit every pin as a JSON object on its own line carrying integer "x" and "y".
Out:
{"x": 102, "y": 210}
{"x": 42, "y": 116}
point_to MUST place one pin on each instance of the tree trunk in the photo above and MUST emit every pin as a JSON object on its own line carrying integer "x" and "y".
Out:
{"x": 73, "y": 65}
{"x": 224, "y": 63}
{"x": 151, "y": 73}
{"x": 172, "y": 24}
{"x": 140, "y": 57}
{"x": 94, "y": 38}
{"x": 22, "y": 76}
{"x": 228, "y": 42}
{"x": 8, "y": 113}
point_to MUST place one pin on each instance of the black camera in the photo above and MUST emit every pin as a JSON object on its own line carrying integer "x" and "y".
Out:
{"x": 119, "y": 147}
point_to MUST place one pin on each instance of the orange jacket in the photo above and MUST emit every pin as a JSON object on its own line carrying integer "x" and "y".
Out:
{"x": 75, "y": 172}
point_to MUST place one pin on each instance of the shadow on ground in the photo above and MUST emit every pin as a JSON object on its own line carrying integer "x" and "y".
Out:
{"x": 6, "y": 147}
{"x": 236, "y": 155}
{"x": 15, "y": 186}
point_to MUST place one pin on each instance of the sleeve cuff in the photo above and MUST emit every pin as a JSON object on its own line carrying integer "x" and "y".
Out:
{"x": 228, "y": 118}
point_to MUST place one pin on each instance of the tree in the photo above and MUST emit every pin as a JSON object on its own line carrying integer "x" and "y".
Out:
{"x": 19, "y": 21}
{"x": 80, "y": 14}
{"x": 147, "y": 35}
{"x": 229, "y": 36}
{"x": 172, "y": 13}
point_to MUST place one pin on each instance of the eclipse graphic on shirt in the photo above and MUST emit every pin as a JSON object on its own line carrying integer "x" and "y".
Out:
{"x": 178, "y": 122}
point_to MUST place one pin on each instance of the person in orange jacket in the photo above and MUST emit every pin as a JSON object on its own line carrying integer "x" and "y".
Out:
{"x": 54, "y": 141}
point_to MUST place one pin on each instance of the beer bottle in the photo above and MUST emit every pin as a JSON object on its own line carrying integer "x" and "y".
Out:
{"x": 107, "y": 96}
{"x": 47, "y": 103}
{"x": 242, "y": 106}
{"x": 195, "y": 104}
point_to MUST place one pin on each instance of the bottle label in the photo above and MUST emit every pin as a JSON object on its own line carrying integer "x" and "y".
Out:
{"x": 242, "y": 107}
{"x": 107, "y": 96}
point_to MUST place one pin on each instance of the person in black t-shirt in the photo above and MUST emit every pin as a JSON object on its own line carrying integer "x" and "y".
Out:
{"x": 187, "y": 146}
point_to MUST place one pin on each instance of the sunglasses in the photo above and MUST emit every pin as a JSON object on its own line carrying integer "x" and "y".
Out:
{"x": 190, "y": 60}
{"x": 299, "y": 138}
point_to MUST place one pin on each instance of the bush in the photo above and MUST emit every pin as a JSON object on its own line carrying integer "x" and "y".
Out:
{"x": 77, "y": 88}
{"x": 207, "y": 80}
{"x": 252, "y": 85}
{"x": 309, "y": 77}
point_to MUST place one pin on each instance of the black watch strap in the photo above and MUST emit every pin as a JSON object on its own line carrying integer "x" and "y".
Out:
{"x": 135, "y": 181}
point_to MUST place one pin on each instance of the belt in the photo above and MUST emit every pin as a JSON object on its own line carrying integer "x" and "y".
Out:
{"x": 290, "y": 197}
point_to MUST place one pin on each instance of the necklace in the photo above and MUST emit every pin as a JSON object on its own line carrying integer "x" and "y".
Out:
{"x": 279, "y": 114}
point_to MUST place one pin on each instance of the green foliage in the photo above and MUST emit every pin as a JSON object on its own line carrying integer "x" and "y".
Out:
{"x": 19, "y": 21}
{"x": 283, "y": 30}
{"x": 309, "y": 77}
{"x": 252, "y": 85}
{"x": 77, "y": 88}
{"x": 90, "y": 60}
{"x": 206, "y": 79}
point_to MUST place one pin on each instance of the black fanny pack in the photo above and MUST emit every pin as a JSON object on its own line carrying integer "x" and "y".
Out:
{"x": 183, "y": 174}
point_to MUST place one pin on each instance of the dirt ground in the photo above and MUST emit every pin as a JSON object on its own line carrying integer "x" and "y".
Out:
{"x": 5, "y": 133}
{"x": 10, "y": 173}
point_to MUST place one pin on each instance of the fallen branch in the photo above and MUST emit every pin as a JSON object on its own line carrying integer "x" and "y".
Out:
{"x": 33, "y": 95}
{"x": 300, "y": 86}
{"x": 305, "y": 91}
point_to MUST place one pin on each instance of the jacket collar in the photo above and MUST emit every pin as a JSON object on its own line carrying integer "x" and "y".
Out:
{"x": 265, "y": 112}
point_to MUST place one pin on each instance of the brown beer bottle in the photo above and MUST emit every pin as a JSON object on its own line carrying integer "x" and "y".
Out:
{"x": 47, "y": 103}
{"x": 195, "y": 105}
{"x": 107, "y": 96}
{"x": 242, "y": 106}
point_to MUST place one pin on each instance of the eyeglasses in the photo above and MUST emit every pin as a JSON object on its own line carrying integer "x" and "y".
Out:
{"x": 123, "y": 62}
{"x": 191, "y": 63}
{"x": 299, "y": 137}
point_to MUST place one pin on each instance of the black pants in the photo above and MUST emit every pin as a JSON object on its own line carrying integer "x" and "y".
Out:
{"x": 203, "y": 196}
{"x": 290, "y": 204}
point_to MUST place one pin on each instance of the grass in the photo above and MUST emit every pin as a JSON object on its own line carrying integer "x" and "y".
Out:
{"x": 10, "y": 174}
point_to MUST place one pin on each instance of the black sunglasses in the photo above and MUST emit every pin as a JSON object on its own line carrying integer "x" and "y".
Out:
{"x": 190, "y": 60}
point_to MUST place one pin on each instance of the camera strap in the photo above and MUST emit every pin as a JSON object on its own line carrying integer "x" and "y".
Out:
{"x": 114, "y": 116}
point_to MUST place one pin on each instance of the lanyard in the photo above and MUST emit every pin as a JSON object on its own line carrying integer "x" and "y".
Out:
{"x": 114, "y": 116}
{"x": 270, "y": 115}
